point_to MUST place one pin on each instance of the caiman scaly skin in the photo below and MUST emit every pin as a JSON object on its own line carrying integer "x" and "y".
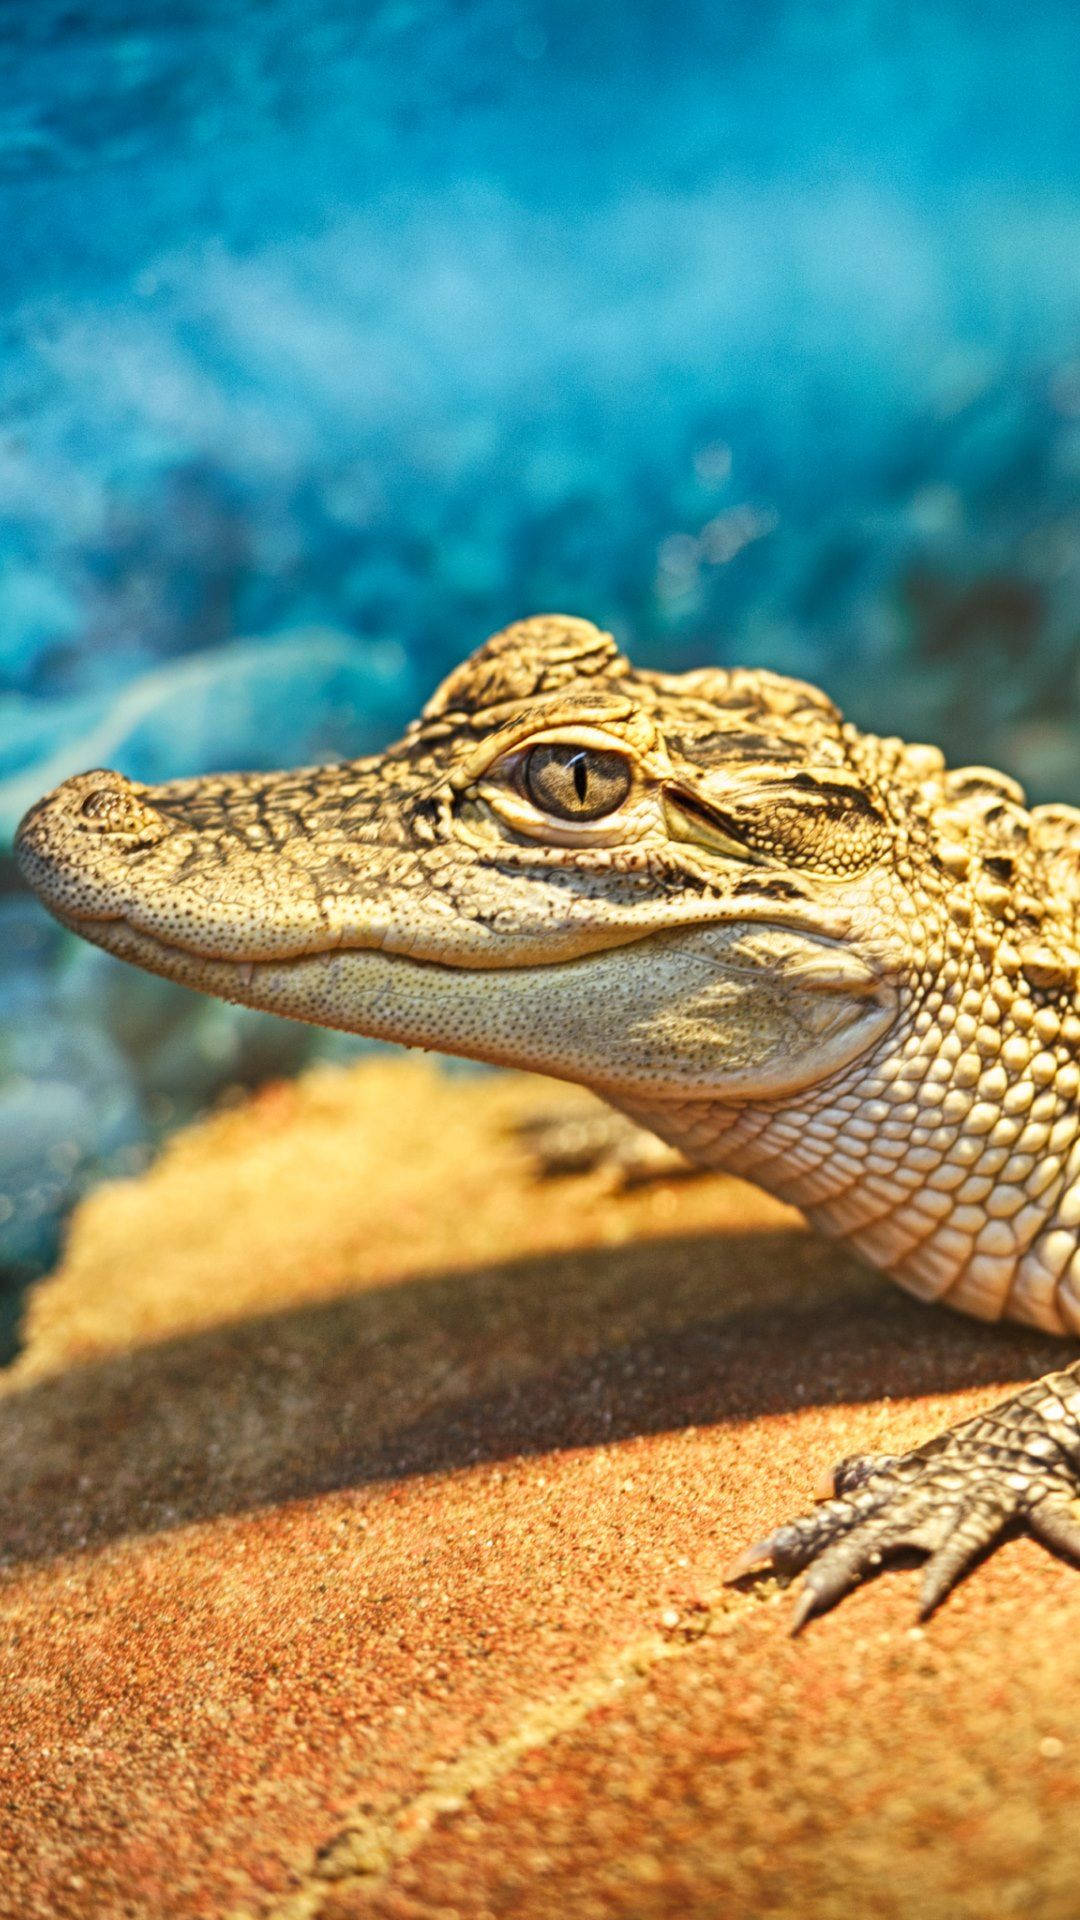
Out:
{"x": 813, "y": 955}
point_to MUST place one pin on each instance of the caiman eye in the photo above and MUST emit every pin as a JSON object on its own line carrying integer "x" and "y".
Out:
{"x": 575, "y": 783}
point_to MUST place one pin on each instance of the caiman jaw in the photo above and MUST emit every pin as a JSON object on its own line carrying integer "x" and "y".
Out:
{"x": 656, "y": 1018}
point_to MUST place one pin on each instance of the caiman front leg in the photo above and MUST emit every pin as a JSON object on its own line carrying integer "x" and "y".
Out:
{"x": 954, "y": 1498}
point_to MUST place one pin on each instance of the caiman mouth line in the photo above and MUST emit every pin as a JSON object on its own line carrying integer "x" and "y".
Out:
{"x": 92, "y": 928}
{"x": 825, "y": 931}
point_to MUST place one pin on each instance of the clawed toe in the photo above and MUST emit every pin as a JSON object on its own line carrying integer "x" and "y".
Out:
{"x": 752, "y": 1560}
{"x": 952, "y": 1500}
{"x": 934, "y": 1503}
{"x": 853, "y": 1470}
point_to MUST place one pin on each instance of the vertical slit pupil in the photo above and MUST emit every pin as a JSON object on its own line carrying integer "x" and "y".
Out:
{"x": 572, "y": 782}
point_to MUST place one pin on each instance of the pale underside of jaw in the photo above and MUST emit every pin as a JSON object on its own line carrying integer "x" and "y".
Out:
{"x": 740, "y": 1010}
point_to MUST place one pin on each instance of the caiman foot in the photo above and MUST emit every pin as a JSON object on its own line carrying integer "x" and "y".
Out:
{"x": 953, "y": 1499}
{"x": 575, "y": 1139}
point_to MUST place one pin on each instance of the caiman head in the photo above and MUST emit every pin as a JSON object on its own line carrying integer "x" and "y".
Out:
{"x": 658, "y": 885}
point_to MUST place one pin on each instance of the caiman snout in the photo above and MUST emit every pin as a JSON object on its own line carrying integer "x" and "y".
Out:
{"x": 224, "y": 866}
{"x": 84, "y": 824}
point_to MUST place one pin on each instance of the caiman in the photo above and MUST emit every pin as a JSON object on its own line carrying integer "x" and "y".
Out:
{"x": 812, "y": 955}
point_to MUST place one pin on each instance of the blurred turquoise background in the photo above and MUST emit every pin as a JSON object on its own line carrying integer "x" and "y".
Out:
{"x": 334, "y": 336}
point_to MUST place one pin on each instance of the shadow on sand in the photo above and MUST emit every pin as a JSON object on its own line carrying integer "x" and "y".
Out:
{"x": 444, "y": 1371}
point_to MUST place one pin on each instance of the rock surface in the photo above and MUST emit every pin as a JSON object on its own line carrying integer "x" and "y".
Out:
{"x": 365, "y": 1502}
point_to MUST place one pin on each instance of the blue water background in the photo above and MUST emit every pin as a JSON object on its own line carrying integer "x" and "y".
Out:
{"x": 334, "y": 336}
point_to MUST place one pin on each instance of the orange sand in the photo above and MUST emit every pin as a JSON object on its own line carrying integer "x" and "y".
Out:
{"x": 364, "y": 1506}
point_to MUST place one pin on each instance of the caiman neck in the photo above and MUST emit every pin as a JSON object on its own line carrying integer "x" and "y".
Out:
{"x": 950, "y": 1157}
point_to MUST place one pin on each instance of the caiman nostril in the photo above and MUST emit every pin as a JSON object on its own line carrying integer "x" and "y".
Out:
{"x": 118, "y": 809}
{"x": 101, "y": 805}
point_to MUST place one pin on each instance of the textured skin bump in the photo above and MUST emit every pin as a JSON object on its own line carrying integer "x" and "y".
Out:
{"x": 818, "y": 956}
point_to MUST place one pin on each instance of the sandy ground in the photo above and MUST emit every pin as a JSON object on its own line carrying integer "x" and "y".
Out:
{"x": 365, "y": 1501}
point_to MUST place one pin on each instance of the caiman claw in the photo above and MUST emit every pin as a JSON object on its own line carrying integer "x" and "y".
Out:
{"x": 952, "y": 1499}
